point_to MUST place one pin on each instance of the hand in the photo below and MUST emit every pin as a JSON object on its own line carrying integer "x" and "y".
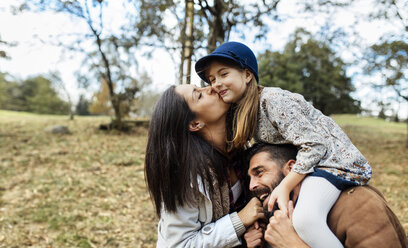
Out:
{"x": 295, "y": 193}
{"x": 280, "y": 195}
{"x": 251, "y": 212}
{"x": 253, "y": 236}
{"x": 280, "y": 232}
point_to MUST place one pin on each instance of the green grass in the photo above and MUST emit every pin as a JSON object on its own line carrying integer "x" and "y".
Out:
{"x": 87, "y": 189}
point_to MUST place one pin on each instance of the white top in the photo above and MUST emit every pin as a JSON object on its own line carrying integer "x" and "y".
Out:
{"x": 236, "y": 190}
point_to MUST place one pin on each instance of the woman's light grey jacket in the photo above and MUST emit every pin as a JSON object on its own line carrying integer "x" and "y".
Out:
{"x": 191, "y": 226}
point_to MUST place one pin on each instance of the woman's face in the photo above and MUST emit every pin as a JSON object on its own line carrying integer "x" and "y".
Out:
{"x": 204, "y": 102}
{"x": 229, "y": 82}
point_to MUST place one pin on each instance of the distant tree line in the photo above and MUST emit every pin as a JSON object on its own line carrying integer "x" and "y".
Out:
{"x": 38, "y": 94}
{"x": 311, "y": 68}
{"x": 35, "y": 94}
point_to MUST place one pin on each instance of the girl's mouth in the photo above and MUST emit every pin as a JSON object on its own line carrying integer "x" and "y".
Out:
{"x": 222, "y": 92}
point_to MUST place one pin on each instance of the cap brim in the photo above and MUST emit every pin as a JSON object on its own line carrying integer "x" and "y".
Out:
{"x": 201, "y": 64}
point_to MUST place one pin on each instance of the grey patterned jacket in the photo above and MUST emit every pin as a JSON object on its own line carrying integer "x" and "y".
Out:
{"x": 287, "y": 118}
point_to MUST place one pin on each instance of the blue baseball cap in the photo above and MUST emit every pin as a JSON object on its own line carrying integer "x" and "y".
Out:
{"x": 234, "y": 51}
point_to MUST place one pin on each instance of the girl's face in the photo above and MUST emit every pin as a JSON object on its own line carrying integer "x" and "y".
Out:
{"x": 228, "y": 81}
{"x": 204, "y": 102}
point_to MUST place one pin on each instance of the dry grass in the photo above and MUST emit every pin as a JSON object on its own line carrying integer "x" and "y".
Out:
{"x": 87, "y": 189}
{"x": 81, "y": 190}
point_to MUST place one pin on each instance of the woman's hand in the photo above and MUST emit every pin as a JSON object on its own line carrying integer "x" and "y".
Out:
{"x": 251, "y": 212}
{"x": 254, "y": 235}
{"x": 280, "y": 232}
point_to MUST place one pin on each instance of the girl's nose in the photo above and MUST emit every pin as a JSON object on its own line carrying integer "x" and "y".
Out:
{"x": 216, "y": 83}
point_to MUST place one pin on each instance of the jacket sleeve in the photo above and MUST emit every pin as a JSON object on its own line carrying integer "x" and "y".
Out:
{"x": 184, "y": 229}
{"x": 294, "y": 118}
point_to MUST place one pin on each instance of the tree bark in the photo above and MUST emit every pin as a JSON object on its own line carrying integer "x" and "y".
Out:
{"x": 217, "y": 30}
{"x": 189, "y": 38}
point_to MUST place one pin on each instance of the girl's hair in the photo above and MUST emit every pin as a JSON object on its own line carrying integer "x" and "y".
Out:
{"x": 176, "y": 157}
{"x": 244, "y": 118}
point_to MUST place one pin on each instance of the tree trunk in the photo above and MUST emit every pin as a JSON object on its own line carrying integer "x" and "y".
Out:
{"x": 189, "y": 37}
{"x": 407, "y": 133}
{"x": 217, "y": 30}
{"x": 117, "y": 123}
{"x": 183, "y": 47}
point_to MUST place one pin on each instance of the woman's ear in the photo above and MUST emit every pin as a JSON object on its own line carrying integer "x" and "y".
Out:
{"x": 195, "y": 126}
{"x": 287, "y": 167}
{"x": 248, "y": 76}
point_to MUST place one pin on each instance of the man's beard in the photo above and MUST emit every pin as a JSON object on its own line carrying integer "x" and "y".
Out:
{"x": 265, "y": 192}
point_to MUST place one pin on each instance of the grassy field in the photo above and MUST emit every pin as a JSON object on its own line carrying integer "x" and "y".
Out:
{"x": 87, "y": 189}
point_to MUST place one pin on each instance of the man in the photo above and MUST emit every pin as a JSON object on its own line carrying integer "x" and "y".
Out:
{"x": 360, "y": 218}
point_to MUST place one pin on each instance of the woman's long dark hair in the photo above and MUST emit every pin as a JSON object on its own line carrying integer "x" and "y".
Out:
{"x": 176, "y": 157}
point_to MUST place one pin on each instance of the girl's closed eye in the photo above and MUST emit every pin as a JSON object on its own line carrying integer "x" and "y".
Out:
{"x": 199, "y": 96}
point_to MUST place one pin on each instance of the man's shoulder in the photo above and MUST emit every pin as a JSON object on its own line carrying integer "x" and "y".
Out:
{"x": 357, "y": 194}
{"x": 362, "y": 217}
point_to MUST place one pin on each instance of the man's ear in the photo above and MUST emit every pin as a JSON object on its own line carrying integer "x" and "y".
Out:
{"x": 287, "y": 167}
{"x": 248, "y": 76}
{"x": 195, "y": 126}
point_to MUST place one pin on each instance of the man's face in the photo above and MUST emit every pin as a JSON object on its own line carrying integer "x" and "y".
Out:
{"x": 265, "y": 175}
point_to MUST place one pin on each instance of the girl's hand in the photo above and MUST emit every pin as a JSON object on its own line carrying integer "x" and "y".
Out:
{"x": 251, "y": 212}
{"x": 280, "y": 195}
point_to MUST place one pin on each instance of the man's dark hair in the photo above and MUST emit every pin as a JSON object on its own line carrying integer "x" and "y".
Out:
{"x": 278, "y": 153}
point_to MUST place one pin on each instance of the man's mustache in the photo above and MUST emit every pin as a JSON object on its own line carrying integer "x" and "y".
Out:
{"x": 261, "y": 191}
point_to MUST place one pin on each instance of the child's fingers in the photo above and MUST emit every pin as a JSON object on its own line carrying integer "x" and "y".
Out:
{"x": 271, "y": 202}
{"x": 283, "y": 206}
{"x": 290, "y": 209}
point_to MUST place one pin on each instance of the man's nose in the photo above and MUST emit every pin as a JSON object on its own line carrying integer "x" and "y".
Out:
{"x": 253, "y": 184}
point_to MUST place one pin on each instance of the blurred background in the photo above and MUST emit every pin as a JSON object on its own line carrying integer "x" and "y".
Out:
{"x": 103, "y": 57}
{"x": 72, "y": 69}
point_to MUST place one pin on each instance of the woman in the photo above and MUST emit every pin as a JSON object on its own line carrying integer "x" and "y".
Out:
{"x": 188, "y": 175}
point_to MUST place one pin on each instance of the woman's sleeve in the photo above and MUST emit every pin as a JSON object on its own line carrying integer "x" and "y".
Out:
{"x": 184, "y": 229}
{"x": 297, "y": 122}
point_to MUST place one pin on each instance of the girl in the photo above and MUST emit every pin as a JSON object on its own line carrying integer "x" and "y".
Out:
{"x": 194, "y": 191}
{"x": 277, "y": 116}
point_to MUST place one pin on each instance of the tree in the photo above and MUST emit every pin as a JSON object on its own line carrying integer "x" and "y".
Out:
{"x": 100, "y": 104}
{"x": 389, "y": 60}
{"x": 35, "y": 94}
{"x": 113, "y": 56}
{"x": 82, "y": 107}
{"x": 311, "y": 68}
{"x": 3, "y": 53}
{"x": 40, "y": 97}
{"x": 5, "y": 86}
{"x": 213, "y": 22}
{"x": 222, "y": 16}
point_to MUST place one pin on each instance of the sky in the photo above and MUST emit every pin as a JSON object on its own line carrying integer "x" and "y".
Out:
{"x": 35, "y": 55}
